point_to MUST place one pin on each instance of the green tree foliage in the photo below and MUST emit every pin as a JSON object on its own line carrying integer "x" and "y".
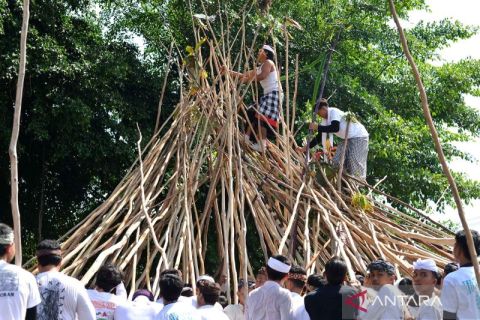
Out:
{"x": 88, "y": 84}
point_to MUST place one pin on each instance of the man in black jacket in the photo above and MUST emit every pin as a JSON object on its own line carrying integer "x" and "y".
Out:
{"x": 330, "y": 301}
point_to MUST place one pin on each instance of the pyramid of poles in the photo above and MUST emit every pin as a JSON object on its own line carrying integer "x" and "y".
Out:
{"x": 197, "y": 174}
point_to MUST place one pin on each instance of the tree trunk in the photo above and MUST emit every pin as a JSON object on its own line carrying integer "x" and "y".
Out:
{"x": 436, "y": 141}
{"x": 15, "y": 132}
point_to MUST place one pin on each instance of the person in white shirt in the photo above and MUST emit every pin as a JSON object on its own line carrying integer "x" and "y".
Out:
{"x": 207, "y": 297}
{"x": 262, "y": 117}
{"x": 296, "y": 280}
{"x": 103, "y": 300}
{"x": 63, "y": 297}
{"x": 19, "y": 294}
{"x": 388, "y": 304}
{"x": 334, "y": 121}
{"x": 194, "y": 299}
{"x": 425, "y": 278}
{"x": 142, "y": 307}
{"x": 170, "y": 288}
{"x": 460, "y": 293}
{"x": 237, "y": 311}
{"x": 271, "y": 301}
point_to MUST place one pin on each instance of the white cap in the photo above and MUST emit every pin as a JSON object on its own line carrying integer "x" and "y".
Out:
{"x": 278, "y": 265}
{"x": 268, "y": 48}
{"x": 427, "y": 264}
{"x": 206, "y": 277}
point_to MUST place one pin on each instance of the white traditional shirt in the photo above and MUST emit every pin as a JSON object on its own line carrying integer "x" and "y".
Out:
{"x": 430, "y": 309}
{"x": 460, "y": 294}
{"x": 104, "y": 304}
{"x": 269, "y": 302}
{"x": 178, "y": 311}
{"x": 355, "y": 130}
{"x": 387, "y": 305}
{"x": 140, "y": 309}
{"x": 235, "y": 311}
{"x": 63, "y": 298}
{"x": 18, "y": 291}
{"x": 298, "y": 307}
{"x": 209, "y": 312}
{"x": 194, "y": 302}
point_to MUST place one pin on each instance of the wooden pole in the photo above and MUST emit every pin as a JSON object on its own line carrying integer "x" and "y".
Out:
{"x": 436, "y": 141}
{"x": 12, "y": 150}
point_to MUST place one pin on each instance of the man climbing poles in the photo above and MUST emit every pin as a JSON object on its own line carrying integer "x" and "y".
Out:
{"x": 264, "y": 116}
{"x": 334, "y": 121}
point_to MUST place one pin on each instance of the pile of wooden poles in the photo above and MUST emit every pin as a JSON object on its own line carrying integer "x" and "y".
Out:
{"x": 197, "y": 174}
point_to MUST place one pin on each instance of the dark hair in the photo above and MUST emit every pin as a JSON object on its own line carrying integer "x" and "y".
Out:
{"x": 223, "y": 301}
{"x": 461, "y": 240}
{"x": 170, "y": 287}
{"x": 170, "y": 271}
{"x": 49, "y": 259}
{"x": 335, "y": 271}
{"x": 382, "y": 266}
{"x": 108, "y": 277}
{"x": 187, "y": 291}
{"x": 262, "y": 270}
{"x": 295, "y": 269}
{"x": 143, "y": 292}
{"x": 275, "y": 275}
{"x": 322, "y": 103}
{"x": 315, "y": 280}
{"x": 406, "y": 286}
{"x": 269, "y": 54}
{"x": 449, "y": 268}
{"x": 4, "y": 231}
{"x": 210, "y": 291}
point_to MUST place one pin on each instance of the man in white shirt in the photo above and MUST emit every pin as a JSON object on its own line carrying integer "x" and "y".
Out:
{"x": 271, "y": 301}
{"x": 425, "y": 278}
{"x": 388, "y": 304}
{"x": 334, "y": 122}
{"x": 296, "y": 280}
{"x": 19, "y": 294}
{"x": 237, "y": 311}
{"x": 63, "y": 297}
{"x": 207, "y": 297}
{"x": 170, "y": 288}
{"x": 460, "y": 293}
{"x": 103, "y": 300}
{"x": 142, "y": 307}
{"x": 194, "y": 299}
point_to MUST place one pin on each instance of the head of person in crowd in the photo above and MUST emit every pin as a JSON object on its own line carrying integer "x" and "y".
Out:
{"x": 241, "y": 292}
{"x": 425, "y": 277}
{"x": 261, "y": 277}
{"x": 7, "y": 245}
{"x": 171, "y": 287}
{"x": 460, "y": 249}
{"x": 201, "y": 279}
{"x": 49, "y": 255}
{"x": 449, "y": 268}
{"x": 315, "y": 281}
{"x": 360, "y": 278}
{"x": 209, "y": 293}
{"x": 335, "y": 271}
{"x": 143, "y": 295}
{"x": 297, "y": 277}
{"x": 381, "y": 273}
{"x": 108, "y": 278}
{"x": 323, "y": 108}
{"x": 187, "y": 290}
{"x": 223, "y": 301}
{"x": 406, "y": 286}
{"x": 278, "y": 267}
{"x": 171, "y": 271}
{"x": 265, "y": 53}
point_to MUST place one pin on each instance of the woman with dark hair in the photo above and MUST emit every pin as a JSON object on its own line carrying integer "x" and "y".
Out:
{"x": 265, "y": 115}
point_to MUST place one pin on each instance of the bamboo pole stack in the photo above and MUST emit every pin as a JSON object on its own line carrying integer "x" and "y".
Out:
{"x": 198, "y": 175}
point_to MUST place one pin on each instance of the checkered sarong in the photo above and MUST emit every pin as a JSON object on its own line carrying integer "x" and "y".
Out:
{"x": 269, "y": 105}
{"x": 355, "y": 158}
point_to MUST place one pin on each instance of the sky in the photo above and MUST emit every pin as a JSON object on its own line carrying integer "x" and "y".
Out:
{"x": 465, "y": 11}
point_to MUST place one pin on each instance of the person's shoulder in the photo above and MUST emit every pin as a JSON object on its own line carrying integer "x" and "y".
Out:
{"x": 346, "y": 289}
{"x": 460, "y": 275}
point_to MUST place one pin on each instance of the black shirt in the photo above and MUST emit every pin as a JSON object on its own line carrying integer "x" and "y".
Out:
{"x": 328, "y": 303}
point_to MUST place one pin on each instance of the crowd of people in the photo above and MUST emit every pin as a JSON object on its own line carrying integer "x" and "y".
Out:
{"x": 280, "y": 291}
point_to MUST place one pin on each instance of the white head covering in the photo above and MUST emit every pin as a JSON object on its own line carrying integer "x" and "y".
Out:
{"x": 206, "y": 277}
{"x": 427, "y": 264}
{"x": 278, "y": 265}
{"x": 6, "y": 238}
{"x": 268, "y": 48}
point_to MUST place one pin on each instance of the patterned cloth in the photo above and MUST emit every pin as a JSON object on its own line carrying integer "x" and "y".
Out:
{"x": 355, "y": 157}
{"x": 270, "y": 105}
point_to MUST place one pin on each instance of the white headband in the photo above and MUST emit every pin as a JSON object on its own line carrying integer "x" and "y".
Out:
{"x": 268, "y": 48}
{"x": 278, "y": 265}
{"x": 6, "y": 238}
{"x": 427, "y": 264}
{"x": 206, "y": 278}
